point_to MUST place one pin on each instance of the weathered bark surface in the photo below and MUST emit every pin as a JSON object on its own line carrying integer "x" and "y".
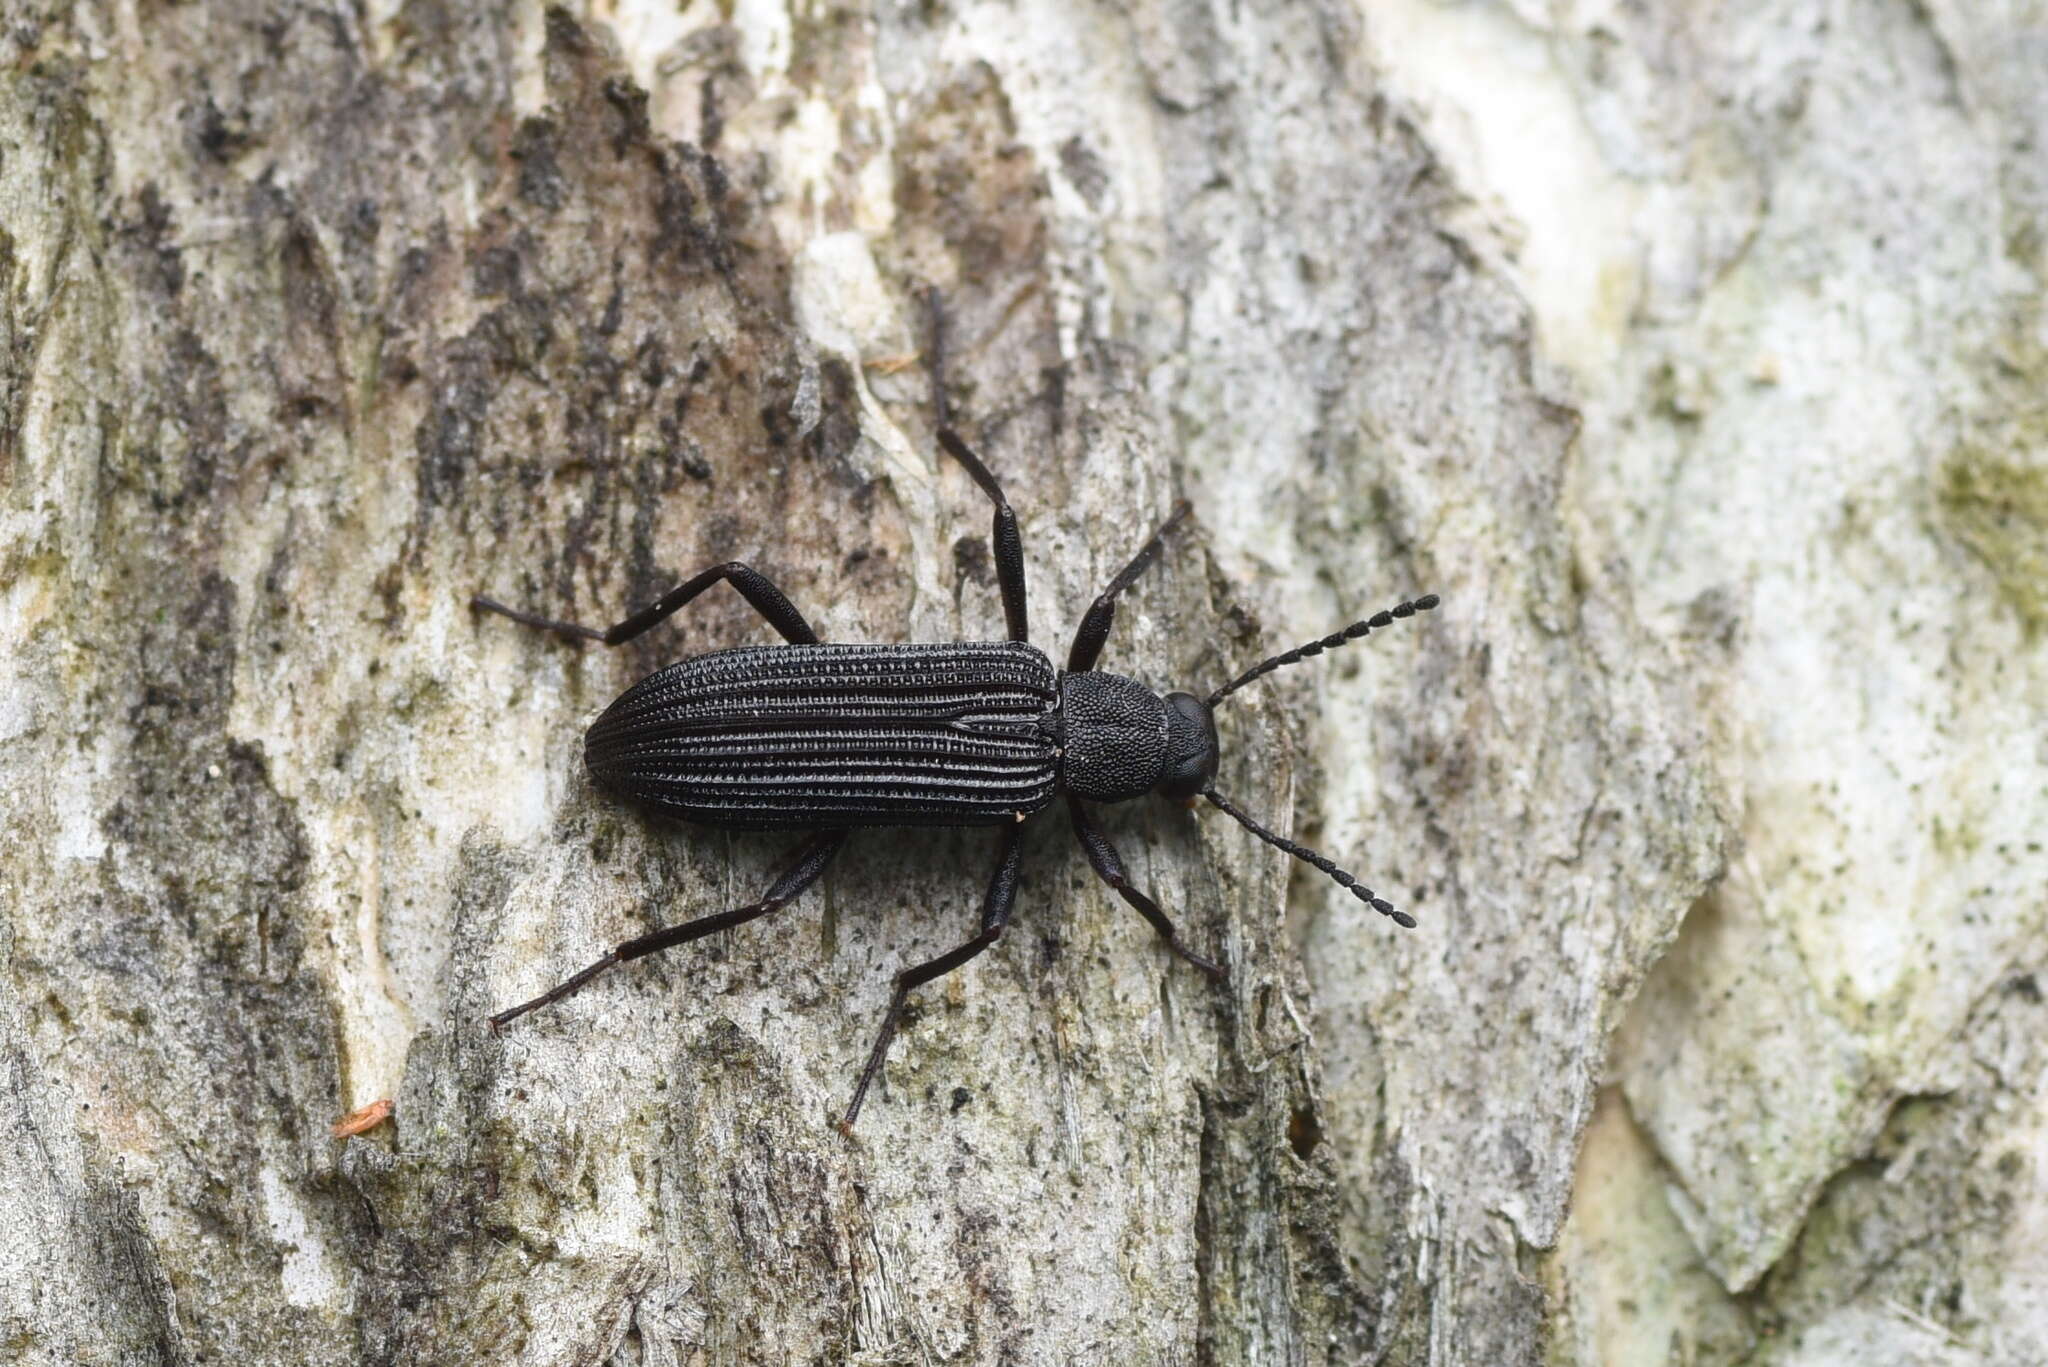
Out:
{"x": 1696, "y": 358}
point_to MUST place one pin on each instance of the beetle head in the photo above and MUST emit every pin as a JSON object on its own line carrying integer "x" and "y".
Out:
{"x": 1190, "y": 747}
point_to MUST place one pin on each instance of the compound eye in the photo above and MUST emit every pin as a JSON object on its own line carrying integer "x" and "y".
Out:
{"x": 1191, "y": 754}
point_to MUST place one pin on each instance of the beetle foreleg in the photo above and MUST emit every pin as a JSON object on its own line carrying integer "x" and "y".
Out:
{"x": 995, "y": 914}
{"x": 1094, "y": 629}
{"x": 1110, "y": 868}
{"x": 811, "y": 861}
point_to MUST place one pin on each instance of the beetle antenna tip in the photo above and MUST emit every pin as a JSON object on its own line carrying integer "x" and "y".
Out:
{"x": 1308, "y": 856}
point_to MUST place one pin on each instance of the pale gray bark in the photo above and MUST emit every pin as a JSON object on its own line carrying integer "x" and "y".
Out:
{"x": 1696, "y": 358}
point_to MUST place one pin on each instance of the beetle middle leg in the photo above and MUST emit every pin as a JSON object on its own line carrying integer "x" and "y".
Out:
{"x": 995, "y": 914}
{"x": 811, "y": 860}
{"x": 1094, "y": 628}
{"x": 753, "y": 586}
{"x": 1110, "y": 868}
{"x": 1007, "y": 541}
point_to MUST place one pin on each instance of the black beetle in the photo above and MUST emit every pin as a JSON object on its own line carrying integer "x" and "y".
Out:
{"x": 976, "y": 733}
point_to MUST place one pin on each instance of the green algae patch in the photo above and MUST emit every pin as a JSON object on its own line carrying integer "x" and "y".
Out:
{"x": 1997, "y": 507}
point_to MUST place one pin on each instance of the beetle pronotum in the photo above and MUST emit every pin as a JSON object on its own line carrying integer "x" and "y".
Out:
{"x": 976, "y": 733}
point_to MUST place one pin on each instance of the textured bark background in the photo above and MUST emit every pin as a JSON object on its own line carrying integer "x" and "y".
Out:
{"x": 1696, "y": 354}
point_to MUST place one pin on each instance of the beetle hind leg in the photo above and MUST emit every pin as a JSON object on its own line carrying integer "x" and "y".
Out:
{"x": 995, "y": 915}
{"x": 810, "y": 862}
{"x": 752, "y": 585}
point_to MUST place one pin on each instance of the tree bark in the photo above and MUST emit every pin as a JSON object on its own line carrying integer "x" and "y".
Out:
{"x": 1696, "y": 359}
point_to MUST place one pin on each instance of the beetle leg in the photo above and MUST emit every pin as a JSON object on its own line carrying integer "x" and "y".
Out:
{"x": 753, "y": 586}
{"x": 1094, "y": 628}
{"x": 1008, "y": 543}
{"x": 1110, "y": 868}
{"x": 995, "y": 914}
{"x": 810, "y": 862}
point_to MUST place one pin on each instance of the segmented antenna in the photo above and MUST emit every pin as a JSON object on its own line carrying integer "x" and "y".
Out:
{"x": 1376, "y": 622}
{"x": 1307, "y": 855}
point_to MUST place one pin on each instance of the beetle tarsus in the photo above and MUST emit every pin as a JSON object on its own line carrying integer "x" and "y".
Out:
{"x": 568, "y": 631}
{"x": 567, "y": 987}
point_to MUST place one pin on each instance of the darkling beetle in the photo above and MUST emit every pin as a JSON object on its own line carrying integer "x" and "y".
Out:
{"x": 969, "y": 733}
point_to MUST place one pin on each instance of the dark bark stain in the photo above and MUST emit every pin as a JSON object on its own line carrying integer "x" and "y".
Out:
{"x": 569, "y": 419}
{"x": 972, "y": 203}
{"x": 136, "y": 1287}
{"x": 448, "y": 1220}
{"x": 194, "y": 938}
{"x": 541, "y": 182}
{"x": 152, "y": 235}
